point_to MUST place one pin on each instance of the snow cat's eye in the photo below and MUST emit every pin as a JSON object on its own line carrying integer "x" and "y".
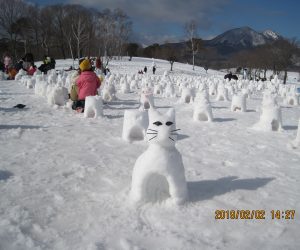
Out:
{"x": 169, "y": 123}
{"x": 157, "y": 123}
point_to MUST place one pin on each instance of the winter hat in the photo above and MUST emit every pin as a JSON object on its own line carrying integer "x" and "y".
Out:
{"x": 85, "y": 65}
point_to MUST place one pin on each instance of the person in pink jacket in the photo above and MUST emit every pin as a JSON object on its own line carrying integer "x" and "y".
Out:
{"x": 87, "y": 83}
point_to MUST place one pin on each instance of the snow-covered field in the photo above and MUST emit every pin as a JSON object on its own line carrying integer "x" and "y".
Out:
{"x": 65, "y": 179}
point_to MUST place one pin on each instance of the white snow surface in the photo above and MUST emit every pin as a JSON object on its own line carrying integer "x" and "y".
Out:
{"x": 65, "y": 179}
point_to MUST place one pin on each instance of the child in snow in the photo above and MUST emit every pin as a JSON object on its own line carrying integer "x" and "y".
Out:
{"x": 31, "y": 69}
{"x": 11, "y": 73}
{"x": 7, "y": 63}
{"x": 87, "y": 83}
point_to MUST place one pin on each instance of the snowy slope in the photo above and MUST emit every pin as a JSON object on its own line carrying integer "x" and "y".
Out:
{"x": 64, "y": 180}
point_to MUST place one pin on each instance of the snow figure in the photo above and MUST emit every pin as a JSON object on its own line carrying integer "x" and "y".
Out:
{"x": 40, "y": 88}
{"x": 222, "y": 93}
{"x": 93, "y": 107}
{"x": 213, "y": 89}
{"x": 169, "y": 91}
{"x": 134, "y": 125}
{"x": 296, "y": 142}
{"x": 57, "y": 95}
{"x": 19, "y": 75}
{"x": 125, "y": 87}
{"x": 238, "y": 103}
{"x": 158, "y": 90}
{"x": 270, "y": 118}
{"x": 134, "y": 85}
{"x": 187, "y": 95}
{"x": 52, "y": 77}
{"x": 158, "y": 173}
{"x": 291, "y": 98}
{"x": 109, "y": 92}
{"x": 147, "y": 99}
{"x": 37, "y": 73}
{"x": 202, "y": 108}
{"x": 246, "y": 93}
{"x": 30, "y": 83}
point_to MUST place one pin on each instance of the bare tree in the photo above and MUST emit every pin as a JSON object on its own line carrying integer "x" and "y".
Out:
{"x": 191, "y": 30}
{"x": 169, "y": 53}
{"x": 10, "y": 12}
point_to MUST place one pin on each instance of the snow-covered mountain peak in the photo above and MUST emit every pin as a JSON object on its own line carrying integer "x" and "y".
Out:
{"x": 271, "y": 34}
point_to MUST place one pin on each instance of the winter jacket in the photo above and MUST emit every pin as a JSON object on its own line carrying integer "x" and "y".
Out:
{"x": 31, "y": 70}
{"x": 87, "y": 83}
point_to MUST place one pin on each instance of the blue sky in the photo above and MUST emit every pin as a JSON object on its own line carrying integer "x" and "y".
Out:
{"x": 163, "y": 20}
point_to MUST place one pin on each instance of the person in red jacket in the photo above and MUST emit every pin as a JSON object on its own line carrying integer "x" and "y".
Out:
{"x": 31, "y": 69}
{"x": 87, "y": 83}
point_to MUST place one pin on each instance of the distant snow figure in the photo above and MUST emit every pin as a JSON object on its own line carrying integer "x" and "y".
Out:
{"x": 202, "y": 108}
{"x": 109, "y": 92}
{"x": 222, "y": 93}
{"x": 158, "y": 173}
{"x": 57, "y": 95}
{"x": 296, "y": 142}
{"x": 292, "y": 98}
{"x": 147, "y": 99}
{"x": 238, "y": 103}
{"x": 134, "y": 125}
{"x": 187, "y": 95}
{"x": 93, "y": 107}
{"x": 270, "y": 118}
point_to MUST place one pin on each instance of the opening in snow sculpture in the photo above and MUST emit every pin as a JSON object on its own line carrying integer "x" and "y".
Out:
{"x": 93, "y": 107}
{"x": 270, "y": 118}
{"x": 202, "y": 108}
{"x": 158, "y": 173}
{"x": 238, "y": 103}
{"x": 134, "y": 125}
{"x": 146, "y": 99}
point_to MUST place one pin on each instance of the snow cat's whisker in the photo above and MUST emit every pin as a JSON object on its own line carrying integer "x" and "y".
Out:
{"x": 175, "y": 130}
{"x": 152, "y": 130}
{"x": 171, "y": 138}
{"x": 152, "y": 138}
{"x": 151, "y": 133}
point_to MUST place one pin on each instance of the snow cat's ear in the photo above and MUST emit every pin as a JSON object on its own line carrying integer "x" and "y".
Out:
{"x": 171, "y": 113}
{"x": 153, "y": 113}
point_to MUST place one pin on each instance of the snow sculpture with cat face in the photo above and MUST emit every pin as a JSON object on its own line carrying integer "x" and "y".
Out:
{"x": 158, "y": 173}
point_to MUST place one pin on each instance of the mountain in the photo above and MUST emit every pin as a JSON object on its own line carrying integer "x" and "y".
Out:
{"x": 238, "y": 39}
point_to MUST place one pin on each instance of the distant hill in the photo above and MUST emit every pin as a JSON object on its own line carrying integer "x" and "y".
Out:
{"x": 238, "y": 39}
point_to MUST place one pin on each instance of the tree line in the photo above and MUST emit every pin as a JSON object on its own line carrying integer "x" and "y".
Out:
{"x": 62, "y": 30}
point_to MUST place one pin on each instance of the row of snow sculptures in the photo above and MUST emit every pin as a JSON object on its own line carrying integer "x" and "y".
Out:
{"x": 238, "y": 103}
{"x": 270, "y": 118}
{"x": 134, "y": 125}
{"x": 93, "y": 107}
{"x": 158, "y": 173}
{"x": 202, "y": 108}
